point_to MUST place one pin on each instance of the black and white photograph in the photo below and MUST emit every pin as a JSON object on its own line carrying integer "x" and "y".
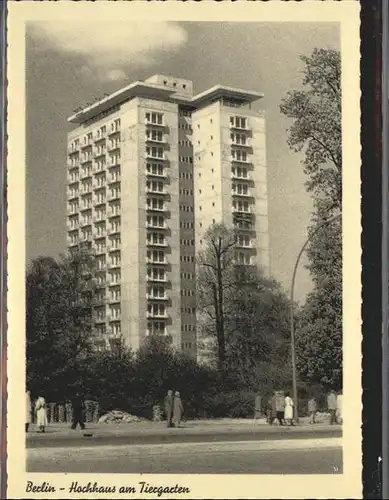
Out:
{"x": 191, "y": 250}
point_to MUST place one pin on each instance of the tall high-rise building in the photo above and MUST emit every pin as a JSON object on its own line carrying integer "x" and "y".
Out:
{"x": 150, "y": 167}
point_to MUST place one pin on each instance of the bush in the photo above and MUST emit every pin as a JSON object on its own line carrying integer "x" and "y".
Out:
{"x": 230, "y": 405}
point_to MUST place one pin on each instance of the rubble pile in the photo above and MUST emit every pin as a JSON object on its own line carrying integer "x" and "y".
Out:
{"x": 118, "y": 417}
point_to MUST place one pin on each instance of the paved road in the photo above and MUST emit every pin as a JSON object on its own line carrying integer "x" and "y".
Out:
{"x": 314, "y": 456}
{"x": 122, "y": 437}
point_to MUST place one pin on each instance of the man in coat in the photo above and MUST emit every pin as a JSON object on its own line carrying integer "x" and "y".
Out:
{"x": 169, "y": 401}
{"x": 331, "y": 404}
{"x": 28, "y": 410}
{"x": 78, "y": 407}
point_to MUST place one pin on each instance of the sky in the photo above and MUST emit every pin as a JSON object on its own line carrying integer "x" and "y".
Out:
{"x": 68, "y": 65}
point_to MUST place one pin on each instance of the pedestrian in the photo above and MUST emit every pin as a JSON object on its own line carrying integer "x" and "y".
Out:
{"x": 169, "y": 408}
{"x": 178, "y": 409}
{"x": 331, "y": 405}
{"x": 41, "y": 414}
{"x": 289, "y": 409}
{"x": 280, "y": 406}
{"x": 78, "y": 406}
{"x": 28, "y": 410}
{"x": 312, "y": 409}
{"x": 270, "y": 413}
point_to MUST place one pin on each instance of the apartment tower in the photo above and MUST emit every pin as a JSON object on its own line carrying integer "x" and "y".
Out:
{"x": 150, "y": 167}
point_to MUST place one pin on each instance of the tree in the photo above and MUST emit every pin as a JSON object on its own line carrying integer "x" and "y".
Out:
{"x": 316, "y": 131}
{"x": 58, "y": 322}
{"x": 257, "y": 333}
{"x": 215, "y": 280}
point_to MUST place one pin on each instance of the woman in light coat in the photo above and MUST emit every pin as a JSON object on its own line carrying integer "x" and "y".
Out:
{"x": 28, "y": 410}
{"x": 289, "y": 409}
{"x": 41, "y": 415}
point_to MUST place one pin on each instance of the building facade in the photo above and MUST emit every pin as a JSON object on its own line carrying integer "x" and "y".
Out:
{"x": 150, "y": 167}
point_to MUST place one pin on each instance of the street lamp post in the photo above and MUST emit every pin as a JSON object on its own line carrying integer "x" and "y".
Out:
{"x": 292, "y": 333}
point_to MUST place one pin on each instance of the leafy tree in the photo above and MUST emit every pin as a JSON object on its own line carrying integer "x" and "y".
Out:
{"x": 316, "y": 130}
{"x": 258, "y": 333}
{"x": 58, "y": 322}
{"x": 215, "y": 280}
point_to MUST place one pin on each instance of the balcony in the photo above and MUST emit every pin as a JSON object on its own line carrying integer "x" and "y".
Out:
{"x": 239, "y": 126}
{"x": 87, "y": 144}
{"x": 154, "y": 260}
{"x": 155, "y": 174}
{"x": 156, "y": 190}
{"x": 114, "y": 265}
{"x": 86, "y": 159}
{"x": 114, "y": 162}
{"x": 155, "y": 156}
{"x": 154, "y": 225}
{"x": 85, "y": 173}
{"x": 114, "y": 213}
{"x": 114, "y": 230}
{"x": 158, "y": 122}
{"x": 244, "y": 176}
{"x": 157, "y": 279}
{"x": 113, "y": 196}
{"x": 157, "y": 315}
{"x": 240, "y": 159}
{"x": 85, "y": 222}
{"x": 241, "y": 194}
{"x": 73, "y": 194}
{"x": 156, "y": 297}
{"x": 98, "y": 168}
{"x": 112, "y": 146}
{"x": 73, "y": 148}
{"x": 99, "y": 250}
{"x": 241, "y": 210}
{"x": 154, "y": 208}
{"x": 153, "y": 243}
{"x": 155, "y": 139}
{"x": 239, "y": 144}
{"x": 99, "y": 152}
{"x": 112, "y": 180}
{"x": 114, "y": 299}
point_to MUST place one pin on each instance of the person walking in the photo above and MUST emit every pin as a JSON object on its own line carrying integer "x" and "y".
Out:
{"x": 289, "y": 409}
{"x": 78, "y": 407}
{"x": 178, "y": 409}
{"x": 279, "y": 406}
{"x": 312, "y": 410}
{"x": 331, "y": 405}
{"x": 41, "y": 414}
{"x": 169, "y": 408}
{"x": 28, "y": 410}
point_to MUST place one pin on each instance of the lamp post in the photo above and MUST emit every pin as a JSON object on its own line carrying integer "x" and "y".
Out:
{"x": 292, "y": 336}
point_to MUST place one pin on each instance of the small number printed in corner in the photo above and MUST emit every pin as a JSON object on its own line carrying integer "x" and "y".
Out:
{"x": 335, "y": 468}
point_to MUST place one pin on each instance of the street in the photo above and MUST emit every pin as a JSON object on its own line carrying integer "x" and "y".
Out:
{"x": 292, "y": 456}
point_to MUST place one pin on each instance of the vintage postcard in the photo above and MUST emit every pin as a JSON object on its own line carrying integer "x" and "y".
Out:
{"x": 184, "y": 250}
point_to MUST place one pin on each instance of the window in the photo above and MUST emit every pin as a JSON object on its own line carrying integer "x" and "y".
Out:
{"x": 244, "y": 240}
{"x": 154, "y": 135}
{"x": 154, "y": 118}
{"x": 240, "y": 206}
{"x": 154, "y": 186}
{"x": 155, "y": 152}
{"x": 239, "y": 155}
{"x": 156, "y": 309}
{"x": 155, "y": 221}
{"x": 154, "y": 169}
{"x": 156, "y": 274}
{"x": 238, "y": 122}
{"x": 155, "y": 256}
{"x": 155, "y": 204}
{"x": 240, "y": 189}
